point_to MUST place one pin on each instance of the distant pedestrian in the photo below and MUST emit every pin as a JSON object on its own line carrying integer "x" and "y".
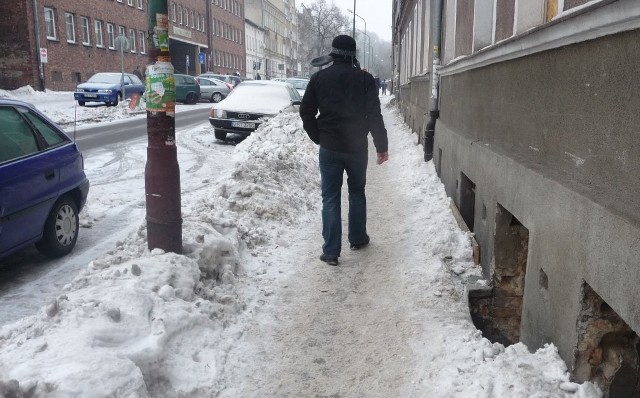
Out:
{"x": 384, "y": 87}
{"x": 258, "y": 77}
{"x": 138, "y": 73}
{"x": 349, "y": 108}
{"x": 377, "y": 80}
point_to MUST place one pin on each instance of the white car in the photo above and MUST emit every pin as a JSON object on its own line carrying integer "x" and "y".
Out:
{"x": 249, "y": 104}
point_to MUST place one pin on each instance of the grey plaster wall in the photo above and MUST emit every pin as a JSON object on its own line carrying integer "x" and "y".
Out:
{"x": 570, "y": 114}
{"x": 571, "y": 238}
{"x": 553, "y": 138}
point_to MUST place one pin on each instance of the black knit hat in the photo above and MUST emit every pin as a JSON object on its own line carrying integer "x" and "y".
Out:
{"x": 343, "y": 45}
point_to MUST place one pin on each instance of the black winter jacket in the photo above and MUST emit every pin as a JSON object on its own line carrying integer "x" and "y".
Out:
{"x": 347, "y": 99}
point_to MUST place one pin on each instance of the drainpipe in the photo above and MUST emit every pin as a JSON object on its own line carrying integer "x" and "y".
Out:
{"x": 434, "y": 111}
{"x": 36, "y": 25}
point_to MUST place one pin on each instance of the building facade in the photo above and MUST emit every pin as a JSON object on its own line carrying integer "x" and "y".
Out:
{"x": 188, "y": 36}
{"x": 271, "y": 16}
{"x": 74, "y": 39}
{"x": 528, "y": 110}
{"x": 254, "y": 39}
{"x": 228, "y": 54}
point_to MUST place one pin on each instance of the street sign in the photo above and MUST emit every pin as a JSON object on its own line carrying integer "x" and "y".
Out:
{"x": 122, "y": 43}
{"x": 201, "y": 57}
{"x": 43, "y": 55}
{"x": 187, "y": 60}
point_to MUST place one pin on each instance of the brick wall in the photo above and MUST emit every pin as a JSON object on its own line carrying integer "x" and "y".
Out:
{"x": 17, "y": 47}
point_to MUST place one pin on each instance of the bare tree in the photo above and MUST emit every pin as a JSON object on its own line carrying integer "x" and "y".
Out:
{"x": 318, "y": 24}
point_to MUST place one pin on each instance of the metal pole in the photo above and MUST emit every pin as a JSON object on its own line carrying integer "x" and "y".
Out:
{"x": 354, "y": 20}
{"x": 36, "y": 25}
{"x": 122, "y": 69}
{"x": 162, "y": 172}
{"x": 364, "y": 56}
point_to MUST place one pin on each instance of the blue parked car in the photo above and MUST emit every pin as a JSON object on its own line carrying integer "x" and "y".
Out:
{"x": 42, "y": 182}
{"x": 106, "y": 87}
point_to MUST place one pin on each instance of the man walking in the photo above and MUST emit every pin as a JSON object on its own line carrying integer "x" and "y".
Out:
{"x": 347, "y": 99}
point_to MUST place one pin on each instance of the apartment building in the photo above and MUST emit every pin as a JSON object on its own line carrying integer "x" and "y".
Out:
{"x": 271, "y": 16}
{"x": 228, "y": 55}
{"x": 255, "y": 49}
{"x": 528, "y": 111}
{"x": 74, "y": 39}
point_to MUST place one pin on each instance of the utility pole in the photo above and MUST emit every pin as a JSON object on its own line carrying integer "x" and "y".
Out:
{"x": 162, "y": 173}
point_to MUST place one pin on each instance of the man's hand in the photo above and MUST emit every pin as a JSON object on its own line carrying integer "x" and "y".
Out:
{"x": 383, "y": 157}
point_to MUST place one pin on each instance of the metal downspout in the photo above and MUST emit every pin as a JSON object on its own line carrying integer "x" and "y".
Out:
{"x": 434, "y": 111}
{"x": 36, "y": 26}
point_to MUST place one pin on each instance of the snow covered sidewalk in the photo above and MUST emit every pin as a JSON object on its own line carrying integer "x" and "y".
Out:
{"x": 249, "y": 311}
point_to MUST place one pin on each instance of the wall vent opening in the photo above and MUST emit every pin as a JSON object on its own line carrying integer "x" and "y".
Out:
{"x": 608, "y": 350}
{"x": 467, "y": 200}
{"x": 497, "y": 312}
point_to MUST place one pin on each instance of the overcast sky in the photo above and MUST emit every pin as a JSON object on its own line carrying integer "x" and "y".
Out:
{"x": 376, "y": 13}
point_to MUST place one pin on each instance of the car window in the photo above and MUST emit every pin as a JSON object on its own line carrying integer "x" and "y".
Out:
{"x": 294, "y": 94}
{"x": 51, "y": 136}
{"x": 104, "y": 78}
{"x": 135, "y": 79}
{"x": 16, "y": 137}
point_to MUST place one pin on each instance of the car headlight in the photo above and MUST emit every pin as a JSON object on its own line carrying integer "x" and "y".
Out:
{"x": 104, "y": 91}
{"x": 220, "y": 114}
{"x": 79, "y": 90}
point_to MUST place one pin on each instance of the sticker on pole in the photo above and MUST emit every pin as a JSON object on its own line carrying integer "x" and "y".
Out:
{"x": 161, "y": 87}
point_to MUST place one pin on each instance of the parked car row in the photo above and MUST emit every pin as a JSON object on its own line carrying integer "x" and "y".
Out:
{"x": 43, "y": 186}
{"x": 107, "y": 87}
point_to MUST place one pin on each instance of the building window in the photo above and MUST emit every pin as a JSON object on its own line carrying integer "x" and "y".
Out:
{"x": 203, "y": 25}
{"x": 71, "y": 28}
{"x": 142, "y": 42}
{"x": 111, "y": 34}
{"x": 76, "y": 77}
{"x": 56, "y": 76}
{"x": 130, "y": 3}
{"x": 140, "y": 4}
{"x": 50, "y": 22}
{"x": 122, "y": 31}
{"x": 180, "y": 15}
{"x": 132, "y": 40}
{"x": 192, "y": 20}
{"x": 84, "y": 27}
{"x": 119, "y": 1}
{"x": 98, "y": 29}
{"x": 174, "y": 12}
{"x": 186, "y": 17}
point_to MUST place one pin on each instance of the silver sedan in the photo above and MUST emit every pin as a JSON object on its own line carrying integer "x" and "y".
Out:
{"x": 213, "y": 90}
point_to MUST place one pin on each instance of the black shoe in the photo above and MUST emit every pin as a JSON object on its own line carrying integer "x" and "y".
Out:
{"x": 358, "y": 246}
{"x": 331, "y": 260}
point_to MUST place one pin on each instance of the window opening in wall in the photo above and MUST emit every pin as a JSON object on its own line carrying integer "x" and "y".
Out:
{"x": 50, "y": 23}
{"x": 56, "y": 76}
{"x": 497, "y": 311}
{"x": 70, "y": 26}
{"x": 75, "y": 77}
{"x": 608, "y": 350}
{"x": 467, "y": 200}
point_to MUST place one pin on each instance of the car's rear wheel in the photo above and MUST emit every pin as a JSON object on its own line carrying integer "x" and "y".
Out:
{"x": 60, "y": 229}
{"x": 216, "y": 97}
{"x": 81, "y": 103}
{"x": 192, "y": 98}
{"x": 221, "y": 135}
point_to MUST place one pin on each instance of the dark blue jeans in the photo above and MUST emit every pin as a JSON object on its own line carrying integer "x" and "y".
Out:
{"x": 332, "y": 167}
